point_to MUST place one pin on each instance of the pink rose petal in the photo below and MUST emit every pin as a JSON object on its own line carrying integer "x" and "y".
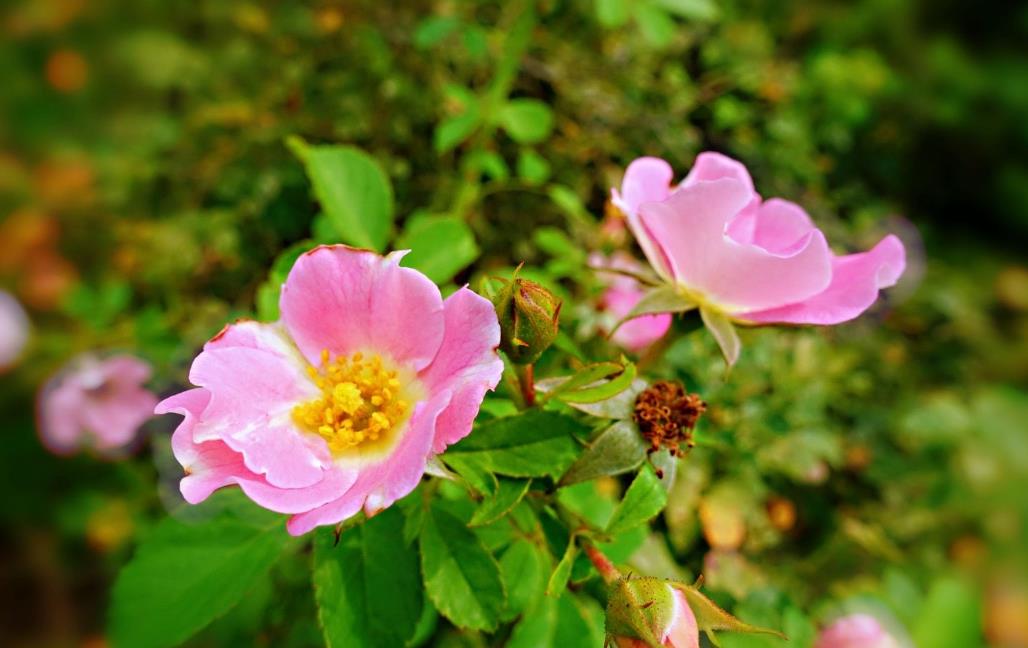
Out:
{"x": 347, "y": 300}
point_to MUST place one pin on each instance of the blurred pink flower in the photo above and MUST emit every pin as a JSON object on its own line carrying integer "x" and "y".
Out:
{"x": 855, "y": 631}
{"x": 681, "y": 630}
{"x": 97, "y": 402}
{"x": 621, "y": 296}
{"x": 14, "y": 330}
{"x": 340, "y": 404}
{"x": 743, "y": 258}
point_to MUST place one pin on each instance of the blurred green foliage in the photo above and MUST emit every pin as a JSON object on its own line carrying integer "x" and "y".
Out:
{"x": 150, "y": 192}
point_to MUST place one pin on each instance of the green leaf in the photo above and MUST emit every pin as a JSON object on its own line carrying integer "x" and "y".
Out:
{"x": 586, "y": 375}
{"x": 701, "y": 10}
{"x": 566, "y": 622}
{"x": 798, "y": 628}
{"x": 620, "y": 406}
{"x": 508, "y": 493}
{"x": 367, "y": 587}
{"x": 950, "y": 615}
{"x": 533, "y": 444}
{"x": 473, "y": 472}
{"x": 434, "y": 29}
{"x": 569, "y": 202}
{"x": 724, "y": 333}
{"x": 353, "y": 190}
{"x": 645, "y": 498}
{"x": 183, "y": 576}
{"x": 559, "y": 578}
{"x": 461, "y": 577}
{"x": 662, "y": 299}
{"x": 710, "y": 617}
{"x": 656, "y": 25}
{"x": 555, "y": 242}
{"x": 489, "y": 163}
{"x": 523, "y": 566}
{"x": 612, "y": 13}
{"x": 440, "y": 246}
{"x": 454, "y": 131}
{"x": 527, "y": 121}
{"x": 532, "y": 167}
{"x": 618, "y": 449}
{"x": 604, "y": 390}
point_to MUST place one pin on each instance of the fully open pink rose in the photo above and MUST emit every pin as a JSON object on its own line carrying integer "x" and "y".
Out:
{"x": 621, "y": 296}
{"x": 339, "y": 405}
{"x": 97, "y": 402}
{"x": 855, "y": 631}
{"x": 681, "y": 630}
{"x": 744, "y": 258}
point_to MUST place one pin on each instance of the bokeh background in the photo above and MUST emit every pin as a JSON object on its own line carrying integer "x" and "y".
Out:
{"x": 148, "y": 195}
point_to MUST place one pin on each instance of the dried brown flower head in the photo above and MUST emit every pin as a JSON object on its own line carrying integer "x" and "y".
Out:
{"x": 666, "y": 415}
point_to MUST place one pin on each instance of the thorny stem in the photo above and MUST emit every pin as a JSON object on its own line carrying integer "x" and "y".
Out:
{"x": 602, "y": 564}
{"x": 526, "y": 379}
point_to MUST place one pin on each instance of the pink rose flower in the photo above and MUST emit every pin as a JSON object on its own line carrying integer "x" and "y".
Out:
{"x": 742, "y": 258}
{"x": 855, "y": 631}
{"x": 14, "y": 330}
{"x": 97, "y": 402}
{"x": 620, "y": 297}
{"x": 340, "y": 404}
{"x": 681, "y": 630}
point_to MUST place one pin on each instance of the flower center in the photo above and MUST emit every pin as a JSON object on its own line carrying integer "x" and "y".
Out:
{"x": 363, "y": 401}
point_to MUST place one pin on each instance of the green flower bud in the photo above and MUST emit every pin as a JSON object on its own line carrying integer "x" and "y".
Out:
{"x": 528, "y": 316}
{"x": 649, "y": 612}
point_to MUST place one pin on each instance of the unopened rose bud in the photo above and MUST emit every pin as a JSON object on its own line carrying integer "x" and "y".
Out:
{"x": 644, "y": 612}
{"x": 528, "y": 316}
{"x": 855, "y": 631}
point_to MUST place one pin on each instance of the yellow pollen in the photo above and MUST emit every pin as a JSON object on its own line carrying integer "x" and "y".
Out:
{"x": 359, "y": 402}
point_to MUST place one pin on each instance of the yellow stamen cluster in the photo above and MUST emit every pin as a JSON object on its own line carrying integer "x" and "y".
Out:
{"x": 360, "y": 402}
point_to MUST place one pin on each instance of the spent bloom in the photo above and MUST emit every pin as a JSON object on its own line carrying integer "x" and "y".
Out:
{"x": 14, "y": 330}
{"x": 621, "y": 295}
{"x": 740, "y": 258}
{"x": 96, "y": 402}
{"x": 855, "y": 631}
{"x": 340, "y": 404}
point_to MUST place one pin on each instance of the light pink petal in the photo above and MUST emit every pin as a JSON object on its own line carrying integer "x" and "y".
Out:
{"x": 14, "y": 330}
{"x": 253, "y": 392}
{"x": 126, "y": 370}
{"x": 684, "y": 631}
{"x": 190, "y": 404}
{"x": 345, "y": 300}
{"x": 855, "y": 631}
{"x": 218, "y": 465}
{"x": 780, "y": 226}
{"x": 381, "y": 484}
{"x": 213, "y": 464}
{"x": 647, "y": 179}
{"x": 715, "y": 166}
{"x": 115, "y": 416}
{"x": 856, "y": 280}
{"x": 736, "y": 277}
{"x": 639, "y": 333}
{"x": 467, "y": 364}
{"x": 59, "y": 404}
